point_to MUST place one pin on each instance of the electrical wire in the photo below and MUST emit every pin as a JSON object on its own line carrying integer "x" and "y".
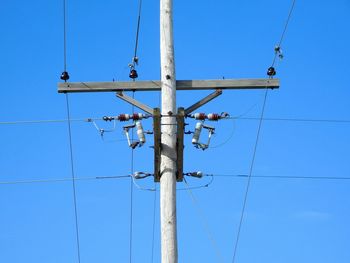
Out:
{"x": 204, "y": 222}
{"x": 226, "y": 140}
{"x": 63, "y": 179}
{"x": 198, "y": 187}
{"x": 249, "y": 178}
{"x": 291, "y": 119}
{"x": 73, "y": 179}
{"x": 228, "y": 118}
{"x": 65, "y": 35}
{"x": 284, "y": 31}
{"x": 131, "y": 191}
{"x": 283, "y": 176}
{"x": 57, "y": 180}
{"x": 45, "y": 121}
{"x": 103, "y": 131}
{"x": 140, "y": 187}
{"x": 154, "y": 222}
{"x": 233, "y": 127}
{"x": 287, "y": 22}
{"x": 137, "y": 31}
{"x": 131, "y": 206}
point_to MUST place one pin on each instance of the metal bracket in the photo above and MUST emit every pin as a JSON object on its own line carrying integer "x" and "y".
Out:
{"x": 180, "y": 143}
{"x": 140, "y": 134}
{"x": 157, "y": 143}
{"x": 197, "y": 133}
{"x": 203, "y": 101}
{"x": 134, "y": 102}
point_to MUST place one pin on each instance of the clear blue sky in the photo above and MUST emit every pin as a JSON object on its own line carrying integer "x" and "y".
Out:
{"x": 286, "y": 220}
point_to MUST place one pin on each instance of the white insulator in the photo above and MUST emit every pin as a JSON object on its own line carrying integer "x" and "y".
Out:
{"x": 197, "y": 133}
{"x": 140, "y": 132}
{"x": 137, "y": 175}
{"x": 198, "y": 174}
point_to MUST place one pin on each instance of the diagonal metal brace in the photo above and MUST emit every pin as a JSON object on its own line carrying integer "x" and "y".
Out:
{"x": 203, "y": 101}
{"x": 134, "y": 102}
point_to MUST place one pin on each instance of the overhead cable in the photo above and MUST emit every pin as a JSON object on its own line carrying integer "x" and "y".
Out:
{"x": 283, "y": 176}
{"x": 63, "y": 179}
{"x": 195, "y": 202}
{"x": 228, "y": 118}
{"x": 249, "y": 178}
{"x": 73, "y": 179}
{"x": 293, "y": 119}
{"x": 278, "y": 51}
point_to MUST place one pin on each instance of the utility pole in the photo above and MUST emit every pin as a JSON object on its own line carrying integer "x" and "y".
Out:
{"x": 168, "y": 124}
{"x": 168, "y": 157}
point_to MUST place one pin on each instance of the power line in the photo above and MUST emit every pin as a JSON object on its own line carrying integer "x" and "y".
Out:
{"x": 63, "y": 179}
{"x": 292, "y": 119}
{"x": 228, "y": 118}
{"x": 138, "y": 29}
{"x": 283, "y": 176}
{"x": 277, "y": 49}
{"x": 97, "y": 178}
{"x": 249, "y": 177}
{"x": 204, "y": 222}
{"x": 73, "y": 179}
{"x": 44, "y": 121}
{"x": 154, "y": 222}
{"x": 64, "y": 35}
{"x": 131, "y": 191}
{"x": 287, "y": 22}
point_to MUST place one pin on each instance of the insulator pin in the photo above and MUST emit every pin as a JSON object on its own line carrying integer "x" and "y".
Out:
{"x": 133, "y": 74}
{"x": 64, "y": 76}
{"x": 271, "y": 71}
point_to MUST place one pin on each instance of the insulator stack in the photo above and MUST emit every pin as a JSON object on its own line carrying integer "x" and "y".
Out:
{"x": 138, "y": 116}
{"x": 127, "y": 117}
{"x": 213, "y": 116}
{"x": 199, "y": 116}
{"x": 210, "y": 116}
{"x": 123, "y": 117}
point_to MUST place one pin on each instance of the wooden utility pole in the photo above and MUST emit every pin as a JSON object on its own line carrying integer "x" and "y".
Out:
{"x": 168, "y": 157}
{"x": 168, "y": 125}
